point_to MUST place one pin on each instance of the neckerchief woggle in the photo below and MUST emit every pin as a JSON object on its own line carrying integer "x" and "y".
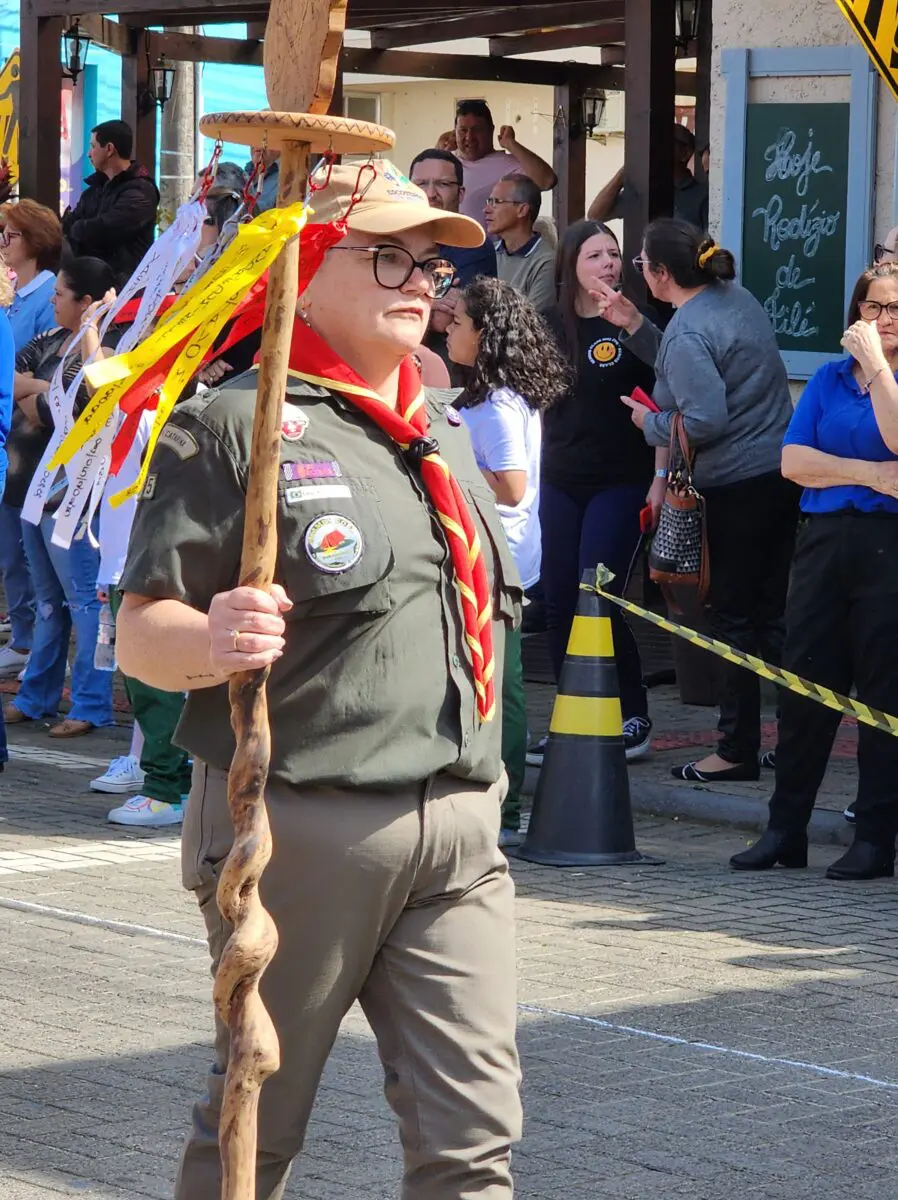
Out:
{"x": 312, "y": 360}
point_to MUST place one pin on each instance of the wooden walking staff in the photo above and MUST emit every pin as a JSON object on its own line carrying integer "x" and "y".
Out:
{"x": 302, "y": 47}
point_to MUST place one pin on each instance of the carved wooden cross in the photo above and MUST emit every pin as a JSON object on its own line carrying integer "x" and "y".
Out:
{"x": 303, "y": 40}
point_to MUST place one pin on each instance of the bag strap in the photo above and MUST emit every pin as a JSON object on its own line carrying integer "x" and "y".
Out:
{"x": 679, "y": 442}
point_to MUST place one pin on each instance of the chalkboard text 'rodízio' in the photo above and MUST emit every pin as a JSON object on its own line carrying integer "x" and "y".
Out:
{"x": 809, "y": 227}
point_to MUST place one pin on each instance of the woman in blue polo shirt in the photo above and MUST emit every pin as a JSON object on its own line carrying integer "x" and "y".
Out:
{"x": 842, "y": 613}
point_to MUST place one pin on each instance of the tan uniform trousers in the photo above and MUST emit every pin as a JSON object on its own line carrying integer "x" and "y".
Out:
{"x": 403, "y": 902}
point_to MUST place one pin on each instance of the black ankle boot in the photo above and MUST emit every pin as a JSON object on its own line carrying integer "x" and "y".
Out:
{"x": 865, "y": 860}
{"x": 774, "y": 846}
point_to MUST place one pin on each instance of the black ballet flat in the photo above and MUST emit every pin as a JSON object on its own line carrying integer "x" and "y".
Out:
{"x": 738, "y": 773}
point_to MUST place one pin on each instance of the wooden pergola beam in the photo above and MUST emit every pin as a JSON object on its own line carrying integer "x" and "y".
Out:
{"x": 191, "y": 47}
{"x": 422, "y": 65}
{"x": 491, "y": 24}
{"x": 39, "y": 109}
{"x": 558, "y": 39}
{"x": 649, "y": 120}
{"x": 111, "y": 35}
{"x": 183, "y": 47}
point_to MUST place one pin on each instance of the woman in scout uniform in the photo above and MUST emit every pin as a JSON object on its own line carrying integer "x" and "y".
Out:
{"x": 385, "y": 637}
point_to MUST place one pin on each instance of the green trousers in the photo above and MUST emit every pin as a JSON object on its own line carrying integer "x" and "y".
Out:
{"x": 514, "y": 729}
{"x": 157, "y": 713}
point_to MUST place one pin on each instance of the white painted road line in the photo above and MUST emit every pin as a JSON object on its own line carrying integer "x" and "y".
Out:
{"x": 57, "y": 758}
{"x": 126, "y": 928}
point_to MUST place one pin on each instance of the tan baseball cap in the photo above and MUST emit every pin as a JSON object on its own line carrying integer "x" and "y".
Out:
{"x": 387, "y": 202}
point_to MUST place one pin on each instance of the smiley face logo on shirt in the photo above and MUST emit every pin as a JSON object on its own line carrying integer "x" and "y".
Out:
{"x": 605, "y": 352}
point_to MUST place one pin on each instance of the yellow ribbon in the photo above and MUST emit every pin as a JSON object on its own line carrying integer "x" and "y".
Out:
{"x": 198, "y": 315}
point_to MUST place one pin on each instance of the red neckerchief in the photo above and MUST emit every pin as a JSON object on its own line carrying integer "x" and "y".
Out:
{"x": 312, "y": 360}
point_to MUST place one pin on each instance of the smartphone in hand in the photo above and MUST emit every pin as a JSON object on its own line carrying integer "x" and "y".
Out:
{"x": 644, "y": 398}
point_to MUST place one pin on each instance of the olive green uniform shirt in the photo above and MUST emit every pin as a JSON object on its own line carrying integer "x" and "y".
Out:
{"x": 374, "y": 689}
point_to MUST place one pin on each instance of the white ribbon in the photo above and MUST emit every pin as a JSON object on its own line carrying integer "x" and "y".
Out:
{"x": 87, "y": 473}
{"x": 61, "y": 400}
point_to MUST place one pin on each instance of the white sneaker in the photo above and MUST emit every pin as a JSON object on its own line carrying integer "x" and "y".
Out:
{"x": 150, "y": 814}
{"x": 122, "y": 775}
{"x": 12, "y": 662}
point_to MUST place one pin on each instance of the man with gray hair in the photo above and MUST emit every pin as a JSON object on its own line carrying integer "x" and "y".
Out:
{"x": 524, "y": 259}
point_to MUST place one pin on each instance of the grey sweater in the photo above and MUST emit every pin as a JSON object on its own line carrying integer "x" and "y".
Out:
{"x": 719, "y": 364}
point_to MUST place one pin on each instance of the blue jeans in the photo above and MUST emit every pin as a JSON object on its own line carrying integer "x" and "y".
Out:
{"x": 65, "y": 582}
{"x": 580, "y": 529}
{"x": 16, "y": 578}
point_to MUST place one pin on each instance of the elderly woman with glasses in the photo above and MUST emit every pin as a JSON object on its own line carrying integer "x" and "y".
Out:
{"x": 385, "y": 637}
{"x": 842, "y": 616}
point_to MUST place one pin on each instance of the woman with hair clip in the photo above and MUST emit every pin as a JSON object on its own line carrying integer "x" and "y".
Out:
{"x": 515, "y": 374}
{"x": 597, "y": 472}
{"x": 65, "y": 580}
{"x": 842, "y": 616}
{"x": 719, "y": 365}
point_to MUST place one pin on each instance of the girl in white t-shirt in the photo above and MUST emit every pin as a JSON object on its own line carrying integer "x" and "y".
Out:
{"x": 515, "y": 372}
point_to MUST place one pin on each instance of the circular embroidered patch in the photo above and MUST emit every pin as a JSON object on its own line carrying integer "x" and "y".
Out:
{"x": 333, "y": 543}
{"x": 605, "y": 352}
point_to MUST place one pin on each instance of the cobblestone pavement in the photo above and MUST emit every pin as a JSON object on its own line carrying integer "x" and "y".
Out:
{"x": 685, "y": 1033}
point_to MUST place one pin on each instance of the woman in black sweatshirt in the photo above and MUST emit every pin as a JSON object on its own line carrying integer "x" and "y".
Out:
{"x": 597, "y": 473}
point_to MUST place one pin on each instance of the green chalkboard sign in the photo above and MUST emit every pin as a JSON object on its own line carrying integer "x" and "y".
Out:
{"x": 796, "y": 195}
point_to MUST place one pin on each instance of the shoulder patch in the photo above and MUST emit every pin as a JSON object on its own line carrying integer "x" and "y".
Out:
{"x": 178, "y": 440}
{"x": 149, "y": 488}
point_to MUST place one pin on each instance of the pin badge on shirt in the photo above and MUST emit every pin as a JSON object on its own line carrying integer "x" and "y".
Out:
{"x": 294, "y": 423}
{"x": 333, "y": 543}
{"x": 317, "y": 491}
{"x": 453, "y": 416}
{"x": 325, "y": 469}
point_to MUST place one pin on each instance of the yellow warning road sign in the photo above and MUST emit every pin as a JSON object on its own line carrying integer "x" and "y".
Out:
{"x": 876, "y": 24}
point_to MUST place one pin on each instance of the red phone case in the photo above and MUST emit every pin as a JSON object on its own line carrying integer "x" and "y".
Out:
{"x": 644, "y": 398}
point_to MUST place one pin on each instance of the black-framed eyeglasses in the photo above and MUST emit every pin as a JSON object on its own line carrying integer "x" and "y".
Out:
{"x": 394, "y": 266}
{"x": 872, "y": 310}
{"x": 442, "y": 185}
{"x": 880, "y": 251}
{"x": 640, "y": 263}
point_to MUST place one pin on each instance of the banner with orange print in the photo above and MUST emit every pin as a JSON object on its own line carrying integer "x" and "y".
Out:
{"x": 876, "y": 24}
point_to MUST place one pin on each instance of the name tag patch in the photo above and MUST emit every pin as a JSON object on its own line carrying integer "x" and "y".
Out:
{"x": 183, "y": 444}
{"x": 294, "y": 423}
{"x": 317, "y": 491}
{"x": 333, "y": 543}
{"x": 326, "y": 469}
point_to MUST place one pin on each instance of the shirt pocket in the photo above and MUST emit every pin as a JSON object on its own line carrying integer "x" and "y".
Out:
{"x": 508, "y": 593}
{"x": 336, "y": 557}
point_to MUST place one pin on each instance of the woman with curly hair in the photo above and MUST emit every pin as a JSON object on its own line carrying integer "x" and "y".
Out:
{"x": 515, "y": 373}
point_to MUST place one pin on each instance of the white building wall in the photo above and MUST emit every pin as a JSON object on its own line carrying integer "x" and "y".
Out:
{"x": 764, "y": 24}
{"x": 418, "y": 112}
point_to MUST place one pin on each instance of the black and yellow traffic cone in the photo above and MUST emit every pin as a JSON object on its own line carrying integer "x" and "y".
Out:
{"x": 581, "y": 812}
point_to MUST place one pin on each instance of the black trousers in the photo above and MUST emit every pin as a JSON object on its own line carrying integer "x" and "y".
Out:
{"x": 842, "y": 631}
{"x": 751, "y": 537}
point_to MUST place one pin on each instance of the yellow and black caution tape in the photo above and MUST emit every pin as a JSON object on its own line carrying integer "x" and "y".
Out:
{"x": 802, "y": 687}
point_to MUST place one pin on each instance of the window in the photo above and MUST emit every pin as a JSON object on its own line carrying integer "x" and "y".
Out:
{"x": 362, "y": 106}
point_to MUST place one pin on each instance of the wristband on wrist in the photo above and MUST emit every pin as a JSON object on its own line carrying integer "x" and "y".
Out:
{"x": 661, "y": 472}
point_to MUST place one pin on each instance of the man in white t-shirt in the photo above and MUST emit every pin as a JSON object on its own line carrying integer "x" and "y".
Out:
{"x": 483, "y": 165}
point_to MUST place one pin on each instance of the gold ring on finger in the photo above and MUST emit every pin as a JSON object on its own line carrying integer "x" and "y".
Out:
{"x": 235, "y": 640}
